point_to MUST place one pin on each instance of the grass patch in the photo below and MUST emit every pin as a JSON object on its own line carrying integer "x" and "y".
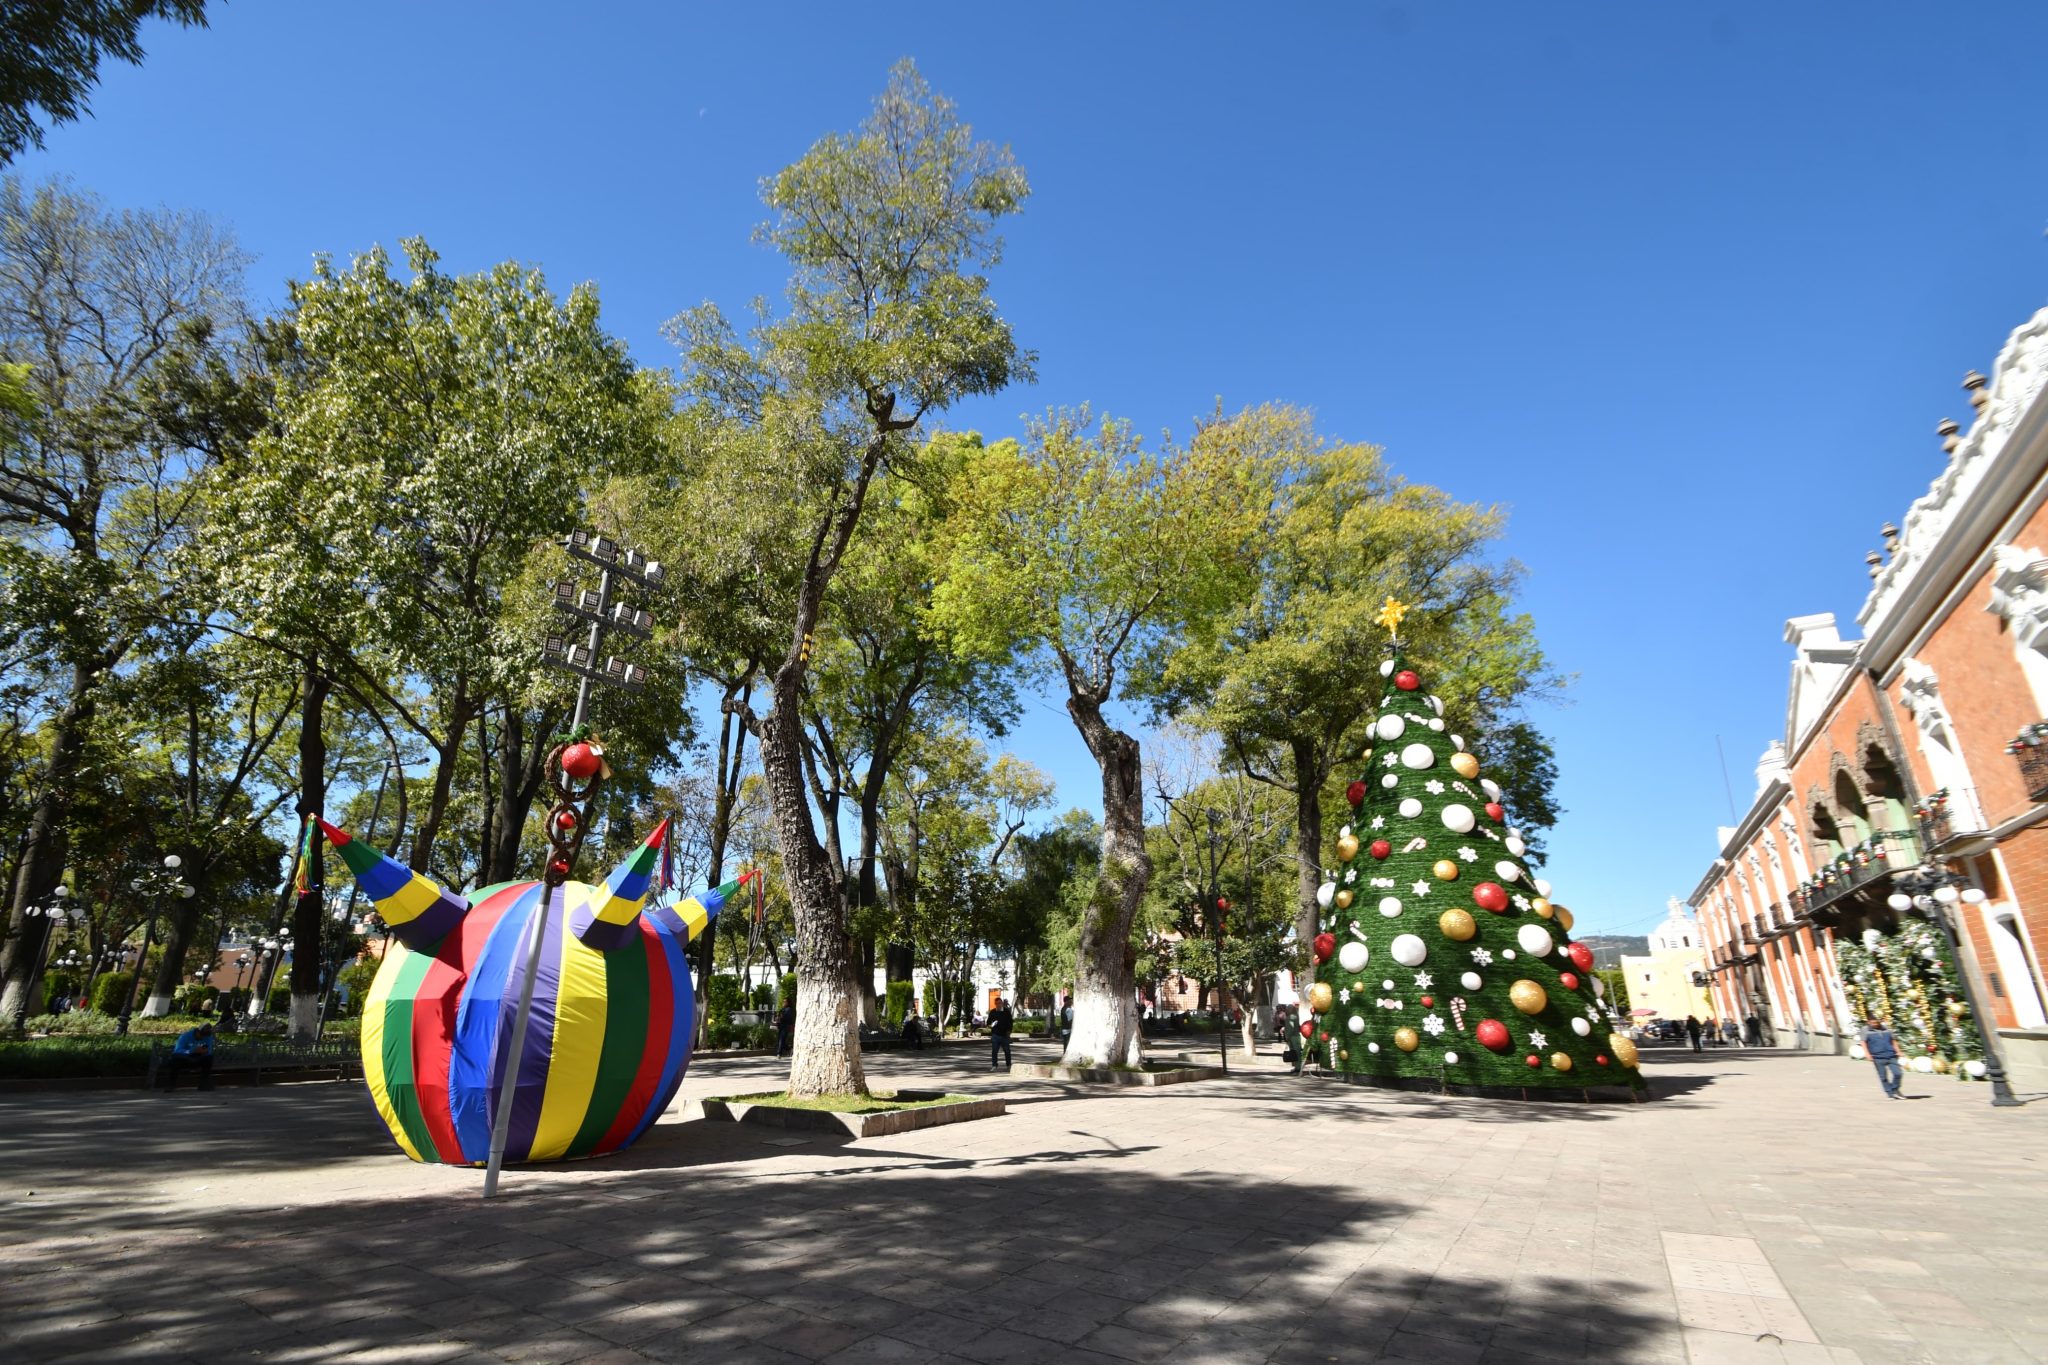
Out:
{"x": 879, "y": 1102}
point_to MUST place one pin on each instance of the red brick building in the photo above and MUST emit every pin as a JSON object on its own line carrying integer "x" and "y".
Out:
{"x": 1896, "y": 749}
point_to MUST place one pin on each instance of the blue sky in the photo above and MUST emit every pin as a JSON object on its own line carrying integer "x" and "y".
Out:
{"x": 1685, "y": 287}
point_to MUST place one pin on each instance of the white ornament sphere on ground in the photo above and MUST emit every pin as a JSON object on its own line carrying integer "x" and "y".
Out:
{"x": 1534, "y": 938}
{"x": 1408, "y": 950}
{"x": 1352, "y": 956}
{"x": 1507, "y": 871}
{"x": 1470, "y": 981}
{"x": 1390, "y": 781}
{"x": 1924, "y": 1065}
{"x": 1390, "y": 906}
{"x": 1390, "y": 727}
{"x": 1458, "y": 819}
{"x": 1410, "y": 807}
{"x": 1490, "y": 787}
{"x": 1543, "y": 888}
{"x": 1581, "y": 1027}
{"x": 1856, "y": 1051}
{"x": 1515, "y": 846}
{"x": 1386, "y": 668}
{"x": 1450, "y": 1059}
{"x": 1417, "y": 756}
{"x": 1975, "y": 1068}
{"x": 1324, "y": 892}
{"x": 1356, "y": 1023}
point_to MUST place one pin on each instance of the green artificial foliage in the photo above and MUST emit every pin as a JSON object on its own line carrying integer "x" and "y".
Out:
{"x": 1414, "y": 984}
{"x": 1909, "y": 978}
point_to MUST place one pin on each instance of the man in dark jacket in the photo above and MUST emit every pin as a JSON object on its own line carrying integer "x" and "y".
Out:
{"x": 785, "y": 1029}
{"x": 1883, "y": 1051}
{"x": 1692, "y": 1030}
{"x": 1000, "y": 1020}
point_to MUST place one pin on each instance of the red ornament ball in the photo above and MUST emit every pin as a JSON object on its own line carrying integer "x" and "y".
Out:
{"x": 1497, "y": 811}
{"x": 1534, "y": 1060}
{"x": 1380, "y": 848}
{"x": 580, "y": 761}
{"x": 1582, "y": 956}
{"x": 1406, "y": 680}
{"x": 566, "y": 820}
{"x": 559, "y": 867}
{"x": 1355, "y": 793}
{"x": 1326, "y": 944}
{"x": 1428, "y": 1001}
{"x": 1490, "y": 896}
{"x": 1309, "y": 1030}
{"x": 1601, "y": 1058}
{"x": 1493, "y": 1034}
{"x": 1568, "y": 980}
{"x": 1324, "y": 1036}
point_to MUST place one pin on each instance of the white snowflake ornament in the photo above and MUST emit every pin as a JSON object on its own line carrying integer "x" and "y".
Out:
{"x": 1432, "y": 1024}
{"x": 1536, "y": 1038}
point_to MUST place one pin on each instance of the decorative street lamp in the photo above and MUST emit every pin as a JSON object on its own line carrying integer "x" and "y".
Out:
{"x": 154, "y": 887}
{"x": 1932, "y": 890}
{"x": 53, "y": 914}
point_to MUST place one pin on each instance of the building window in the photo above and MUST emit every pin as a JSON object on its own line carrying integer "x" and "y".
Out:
{"x": 2017, "y": 964}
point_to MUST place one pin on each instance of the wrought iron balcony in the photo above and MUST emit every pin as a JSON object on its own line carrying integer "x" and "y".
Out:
{"x": 1873, "y": 860}
{"x": 1947, "y": 816}
{"x": 2033, "y": 761}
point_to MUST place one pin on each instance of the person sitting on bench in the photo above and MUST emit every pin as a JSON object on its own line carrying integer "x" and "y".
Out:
{"x": 194, "y": 1052}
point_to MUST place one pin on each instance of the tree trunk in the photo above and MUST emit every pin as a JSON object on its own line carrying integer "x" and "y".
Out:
{"x": 447, "y": 756}
{"x": 181, "y": 921}
{"x": 42, "y": 853}
{"x": 1308, "y": 855}
{"x": 827, "y": 1048}
{"x": 1105, "y": 1013}
{"x": 309, "y": 915}
{"x": 521, "y": 771}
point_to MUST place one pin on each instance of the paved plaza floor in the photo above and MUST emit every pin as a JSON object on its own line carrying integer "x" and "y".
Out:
{"x": 1765, "y": 1195}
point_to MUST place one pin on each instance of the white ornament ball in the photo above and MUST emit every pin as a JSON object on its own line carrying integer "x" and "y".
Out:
{"x": 1507, "y": 872}
{"x": 1410, "y": 807}
{"x": 1975, "y": 1069}
{"x": 1356, "y": 1023}
{"x": 1387, "y": 985}
{"x": 1390, "y": 727}
{"x": 1436, "y": 704}
{"x": 1386, "y": 668}
{"x": 1599, "y": 988}
{"x": 1924, "y": 1065}
{"x": 1450, "y": 1059}
{"x": 1372, "y": 1047}
{"x": 1470, "y": 981}
{"x": 1508, "y": 954}
{"x": 1490, "y": 787}
{"x": 1417, "y": 756}
{"x": 1457, "y": 741}
{"x": 1458, "y": 819}
{"x": 1390, "y": 906}
{"x": 1436, "y": 723}
{"x": 1542, "y": 888}
{"x": 1856, "y": 1052}
{"x": 1534, "y": 938}
{"x": 1390, "y": 781}
{"x": 1351, "y": 957}
{"x": 1581, "y": 1027}
{"x": 1324, "y": 893}
{"x": 1408, "y": 950}
{"x": 1514, "y": 845}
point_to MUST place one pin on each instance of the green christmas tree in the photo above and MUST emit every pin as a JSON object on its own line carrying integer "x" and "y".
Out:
{"x": 1443, "y": 958}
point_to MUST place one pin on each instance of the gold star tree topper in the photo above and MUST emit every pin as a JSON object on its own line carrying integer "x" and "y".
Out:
{"x": 1390, "y": 616}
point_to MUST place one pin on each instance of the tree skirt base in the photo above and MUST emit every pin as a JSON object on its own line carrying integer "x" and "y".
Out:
{"x": 1116, "y": 1075}
{"x": 1588, "y": 1094}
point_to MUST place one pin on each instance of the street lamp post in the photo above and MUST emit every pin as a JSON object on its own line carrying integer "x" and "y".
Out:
{"x": 153, "y": 886}
{"x": 52, "y": 915}
{"x": 1932, "y": 890}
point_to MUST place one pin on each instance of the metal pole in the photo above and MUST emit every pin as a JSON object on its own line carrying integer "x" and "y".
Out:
{"x": 2001, "y": 1088}
{"x": 1222, "y": 1025}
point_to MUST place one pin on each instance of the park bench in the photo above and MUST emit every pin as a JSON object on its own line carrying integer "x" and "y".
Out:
{"x": 258, "y": 1055}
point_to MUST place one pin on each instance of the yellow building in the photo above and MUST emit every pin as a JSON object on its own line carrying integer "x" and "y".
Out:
{"x": 1661, "y": 984}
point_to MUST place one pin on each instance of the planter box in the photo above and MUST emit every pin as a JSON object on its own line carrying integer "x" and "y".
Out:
{"x": 858, "y": 1125}
{"x": 1110, "y": 1075}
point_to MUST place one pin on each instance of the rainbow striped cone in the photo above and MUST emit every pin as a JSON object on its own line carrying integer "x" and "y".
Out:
{"x": 608, "y": 1036}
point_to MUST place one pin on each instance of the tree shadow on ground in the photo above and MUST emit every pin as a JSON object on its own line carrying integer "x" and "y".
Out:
{"x": 1072, "y": 1257}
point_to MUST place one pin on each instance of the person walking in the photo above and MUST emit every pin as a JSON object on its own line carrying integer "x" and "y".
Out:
{"x": 1753, "y": 1031}
{"x": 1000, "y": 1020}
{"x": 1692, "y": 1030}
{"x": 1067, "y": 1017}
{"x": 1731, "y": 1032}
{"x": 1883, "y": 1051}
{"x": 785, "y": 1029}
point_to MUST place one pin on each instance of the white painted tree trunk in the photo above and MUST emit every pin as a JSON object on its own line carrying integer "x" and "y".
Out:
{"x": 1106, "y": 1029}
{"x": 304, "y": 1020}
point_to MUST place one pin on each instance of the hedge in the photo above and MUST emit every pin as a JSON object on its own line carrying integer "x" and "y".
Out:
{"x": 110, "y": 992}
{"x": 44, "y": 1058}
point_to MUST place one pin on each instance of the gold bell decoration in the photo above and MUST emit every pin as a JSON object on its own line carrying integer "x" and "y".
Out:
{"x": 1622, "y": 1050}
{"x": 1347, "y": 847}
{"x": 1445, "y": 870}
{"x": 1342, "y": 900}
{"x": 1464, "y": 765}
{"x": 1320, "y": 997}
{"x": 1559, "y": 1061}
{"x": 1542, "y": 907}
{"x": 1457, "y": 925}
{"x": 1528, "y": 997}
{"x": 1406, "y": 1039}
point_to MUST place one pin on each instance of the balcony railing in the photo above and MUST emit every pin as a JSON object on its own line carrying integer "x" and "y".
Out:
{"x": 1947, "y": 816}
{"x": 1873, "y": 860}
{"x": 2033, "y": 761}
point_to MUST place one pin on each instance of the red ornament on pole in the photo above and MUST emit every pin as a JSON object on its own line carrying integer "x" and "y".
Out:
{"x": 1326, "y": 945}
{"x": 1355, "y": 793}
{"x": 1406, "y": 680}
{"x": 580, "y": 761}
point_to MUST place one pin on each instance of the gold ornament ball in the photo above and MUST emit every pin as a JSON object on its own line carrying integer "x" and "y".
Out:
{"x": 1406, "y": 1039}
{"x": 1320, "y": 997}
{"x": 1943, "y": 1066}
{"x": 1366, "y": 754}
{"x": 1464, "y": 765}
{"x": 1343, "y": 1054}
{"x": 1560, "y": 1062}
{"x": 1564, "y": 917}
{"x": 1955, "y": 1009}
{"x": 1457, "y": 924}
{"x": 1528, "y": 997}
{"x": 1621, "y": 1049}
{"x": 1342, "y": 899}
{"x": 1347, "y": 847}
{"x": 1445, "y": 870}
{"x": 1542, "y": 907}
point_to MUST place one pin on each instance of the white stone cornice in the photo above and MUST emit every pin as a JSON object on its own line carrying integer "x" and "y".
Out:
{"x": 2019, "y": 592}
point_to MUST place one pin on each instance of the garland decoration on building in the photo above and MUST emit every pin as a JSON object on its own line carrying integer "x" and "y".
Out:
{"x": 1909, "y": 977}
